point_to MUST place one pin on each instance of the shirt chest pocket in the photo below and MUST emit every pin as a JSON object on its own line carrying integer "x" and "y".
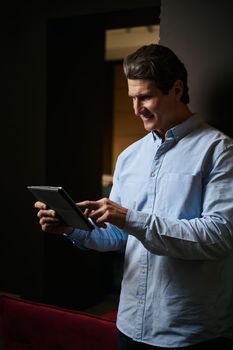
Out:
{"x": 179, "y": 195}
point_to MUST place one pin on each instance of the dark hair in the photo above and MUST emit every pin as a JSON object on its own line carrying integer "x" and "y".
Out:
{"x": 157, "y": 63}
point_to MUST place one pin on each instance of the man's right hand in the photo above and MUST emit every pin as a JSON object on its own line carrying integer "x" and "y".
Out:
{"x": 49, "y": 221}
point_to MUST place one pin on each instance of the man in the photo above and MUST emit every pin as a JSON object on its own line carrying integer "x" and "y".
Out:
{"x": 172, "y": 205}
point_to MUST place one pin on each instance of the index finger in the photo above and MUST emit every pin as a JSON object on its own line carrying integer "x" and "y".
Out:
{"x": 40, "y": 205}
{"x": 85, "y": 204}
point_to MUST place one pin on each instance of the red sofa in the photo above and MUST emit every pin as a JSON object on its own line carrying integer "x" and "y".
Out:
{"x": 31, "y": 325}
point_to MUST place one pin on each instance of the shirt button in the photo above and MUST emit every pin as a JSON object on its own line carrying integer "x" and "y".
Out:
{"x": 153, "y": 173}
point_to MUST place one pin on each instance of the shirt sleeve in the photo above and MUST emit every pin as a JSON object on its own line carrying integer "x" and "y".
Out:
{"x": 207, "y": 237}
{"x": 100, "y": 239}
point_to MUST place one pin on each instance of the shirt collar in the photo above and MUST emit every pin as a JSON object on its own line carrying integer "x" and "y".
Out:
{"x": 182, "y": 129}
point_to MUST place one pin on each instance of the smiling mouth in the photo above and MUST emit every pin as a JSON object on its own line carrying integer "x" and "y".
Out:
{"x": 149, "y": 116}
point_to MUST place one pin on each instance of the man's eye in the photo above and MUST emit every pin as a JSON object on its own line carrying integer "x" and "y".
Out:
{"x": 141, "y": 98}
{"x": 145, "y": 98}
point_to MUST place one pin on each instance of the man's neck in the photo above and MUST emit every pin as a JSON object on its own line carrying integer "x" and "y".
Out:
{"x": 182, "y": 114}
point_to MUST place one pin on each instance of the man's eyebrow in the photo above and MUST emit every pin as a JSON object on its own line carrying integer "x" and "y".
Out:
{"x": 146, "y": 93}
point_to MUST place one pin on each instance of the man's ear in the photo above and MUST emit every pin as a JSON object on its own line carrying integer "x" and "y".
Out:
{"x": 178, "y": 89}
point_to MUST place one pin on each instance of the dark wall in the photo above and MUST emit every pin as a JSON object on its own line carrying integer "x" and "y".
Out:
{"x": 200, "y": 32}
{"x": 28, "y": 266}
{"x": 22, "y": 145}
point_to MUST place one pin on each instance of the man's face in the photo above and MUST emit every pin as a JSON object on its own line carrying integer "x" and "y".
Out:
{"x": 156, "y": 109}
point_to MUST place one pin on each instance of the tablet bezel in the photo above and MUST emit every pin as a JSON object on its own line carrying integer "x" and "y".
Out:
{"x": 69, "y": 213}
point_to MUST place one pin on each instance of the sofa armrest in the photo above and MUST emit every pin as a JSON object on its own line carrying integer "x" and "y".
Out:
{"x": 27, "y": 324}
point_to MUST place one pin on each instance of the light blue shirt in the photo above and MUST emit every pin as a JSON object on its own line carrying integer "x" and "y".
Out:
{"x": 177, "y": 288}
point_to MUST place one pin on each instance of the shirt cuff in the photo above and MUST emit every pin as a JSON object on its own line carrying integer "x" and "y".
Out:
{"x": 78, "y": 238}
{"x": 135, "y": 222}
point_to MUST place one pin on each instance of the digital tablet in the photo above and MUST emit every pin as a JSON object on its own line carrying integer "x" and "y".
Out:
{"x": 57, "y": 198}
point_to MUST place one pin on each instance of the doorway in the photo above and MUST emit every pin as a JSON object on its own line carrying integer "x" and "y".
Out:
{"x": 126, "y": 128}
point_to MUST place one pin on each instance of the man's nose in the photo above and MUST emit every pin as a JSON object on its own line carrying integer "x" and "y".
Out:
{"x": 137, "y": 107}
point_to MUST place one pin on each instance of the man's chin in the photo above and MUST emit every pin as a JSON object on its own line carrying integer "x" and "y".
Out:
{"x": 149, "y": 123}
{"x": 149, "y": 126}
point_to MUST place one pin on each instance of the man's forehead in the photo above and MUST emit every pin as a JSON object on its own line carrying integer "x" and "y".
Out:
{"x": 142, "y": 85}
